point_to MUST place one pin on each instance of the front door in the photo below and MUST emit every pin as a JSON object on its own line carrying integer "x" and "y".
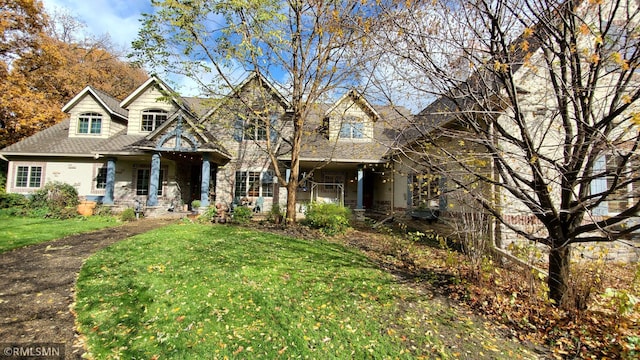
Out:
{"x": 367, "y": 188}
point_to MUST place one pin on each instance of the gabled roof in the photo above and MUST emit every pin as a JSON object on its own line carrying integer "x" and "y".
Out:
{"x": 484, "y": 80}
{"x": 109, "y": 103}
{"x": 268, "y": 84}
{"x": 357, "y": 98}
{"x": 482, "y": 84}
{"x": 164, "y": 88}
{"x": 317, "y": 147}
{"x": 204, "y": 141}
{"x": 236, "y": 91}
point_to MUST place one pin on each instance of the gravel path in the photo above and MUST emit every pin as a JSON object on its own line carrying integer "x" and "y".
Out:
{"x": 37, "y": 284}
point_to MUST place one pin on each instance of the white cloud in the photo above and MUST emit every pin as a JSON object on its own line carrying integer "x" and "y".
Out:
{"x": 118, "y": 18}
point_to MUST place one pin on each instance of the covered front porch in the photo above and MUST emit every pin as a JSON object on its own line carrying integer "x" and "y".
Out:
{"x": 160, "y": 181}
{"x": 362, "y": 187}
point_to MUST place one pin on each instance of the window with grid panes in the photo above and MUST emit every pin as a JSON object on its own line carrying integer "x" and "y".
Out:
{"x": 151, "y": 119}
{"x": 90, "y": 123}
{"x": 29, "y": 176}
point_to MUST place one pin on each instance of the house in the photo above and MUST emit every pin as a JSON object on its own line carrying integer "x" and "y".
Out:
{"x": 344, "y": 155}
{"x": 535, "y": 144}
{"x": 165, "y": 151}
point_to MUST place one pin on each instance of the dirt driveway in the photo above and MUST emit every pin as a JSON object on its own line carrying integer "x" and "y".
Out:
{"x": 37, "y": 284}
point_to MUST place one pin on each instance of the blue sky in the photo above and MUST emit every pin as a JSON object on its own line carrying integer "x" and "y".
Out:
{"x": 119, "y": 19}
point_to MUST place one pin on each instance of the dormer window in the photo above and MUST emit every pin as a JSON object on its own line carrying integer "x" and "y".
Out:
{"x": 352, "y": 127}
{"x": 152, "y": 119}
{"x": 90, "y": 123}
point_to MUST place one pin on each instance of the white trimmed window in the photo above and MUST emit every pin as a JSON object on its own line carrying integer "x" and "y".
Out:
{"x": 352, "y": 127}
{"x": 152, "y": 119}
{"x": 267, "y": 184}
{"x": 253, "y": 184}
{"x": 255, "y": 129}
{"x": 425, "y": 190}
{"x": 90, "y": 123}
{"x": 101, "y": 178}
{"x": 29, "y": 176}
{"x": 143, "y": 181}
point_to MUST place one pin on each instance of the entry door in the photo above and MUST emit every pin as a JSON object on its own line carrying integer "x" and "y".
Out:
{"x": 367, "y": 188}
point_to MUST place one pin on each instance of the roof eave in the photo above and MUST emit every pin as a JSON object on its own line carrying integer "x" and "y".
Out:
{"x": 336, "y": 160}
{"x": 129, "y": 99}
{"x": 47, "y": 154}
{"x": 97, "y": 97}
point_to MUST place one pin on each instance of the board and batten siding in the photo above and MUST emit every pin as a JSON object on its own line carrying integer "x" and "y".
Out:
{"x": 346, "y": 109}
{"x": 89, "y": 105}
{"x": 147, "y": 100}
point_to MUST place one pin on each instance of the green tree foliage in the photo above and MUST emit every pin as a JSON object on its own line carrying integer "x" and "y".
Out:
{"x": 56, "y": 200}
{"x": 242, "y": 214}
{"x": 128, "y": 215}
{"x": 330, "y": 218}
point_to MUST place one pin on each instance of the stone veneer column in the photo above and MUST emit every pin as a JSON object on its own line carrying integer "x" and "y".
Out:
{"x": 204, "y": 184}
{"x": 110, "y": 182}
{"x": 154, "y": 180}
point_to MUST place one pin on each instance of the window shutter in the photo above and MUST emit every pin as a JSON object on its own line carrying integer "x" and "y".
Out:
{"x": 409, "y": 190}
{"x": 273, "y": 134}
{"x": 238, "y": 129}
{"x": 267, "y": 177}
{"x": 599, "y": 185}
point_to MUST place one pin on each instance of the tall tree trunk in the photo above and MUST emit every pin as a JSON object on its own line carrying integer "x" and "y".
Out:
{"x": 292, "y": 185}
{"x": 559, "y": 257}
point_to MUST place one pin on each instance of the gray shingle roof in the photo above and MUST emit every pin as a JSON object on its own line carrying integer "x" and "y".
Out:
{"x": 55, "y": 140}
{"x": 317, "y": 145}
{"x": 111, "y": 102}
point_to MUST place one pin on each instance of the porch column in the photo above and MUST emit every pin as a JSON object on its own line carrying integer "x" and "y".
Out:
{"x": 111, "y": 182}
{"x": 154, "y": 180}
{"x": 358, "y": 212}
{"x": 360, "y": 204}
{"x": 204, "y": 184}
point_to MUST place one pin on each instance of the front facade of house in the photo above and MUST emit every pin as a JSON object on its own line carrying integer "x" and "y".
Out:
{"x": 164, "y": 151}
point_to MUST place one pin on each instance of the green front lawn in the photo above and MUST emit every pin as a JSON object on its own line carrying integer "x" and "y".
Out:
{"x": 194, "y": 291}
{"x": 17, "y": 231}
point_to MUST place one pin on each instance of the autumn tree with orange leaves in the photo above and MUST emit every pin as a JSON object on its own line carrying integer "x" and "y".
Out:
{"x": 43, "y": 65}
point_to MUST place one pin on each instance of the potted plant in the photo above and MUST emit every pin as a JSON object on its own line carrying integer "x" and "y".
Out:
{"x": 195, "y": 205}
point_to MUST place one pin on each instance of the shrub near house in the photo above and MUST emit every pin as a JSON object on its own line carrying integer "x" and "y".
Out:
{"x": 330, "y": 218}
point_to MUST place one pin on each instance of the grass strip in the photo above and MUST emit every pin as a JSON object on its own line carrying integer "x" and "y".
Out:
{"x": 16, "y": 232}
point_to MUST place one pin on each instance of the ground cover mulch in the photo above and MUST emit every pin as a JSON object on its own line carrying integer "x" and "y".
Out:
{"x": 37, "y": 284}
